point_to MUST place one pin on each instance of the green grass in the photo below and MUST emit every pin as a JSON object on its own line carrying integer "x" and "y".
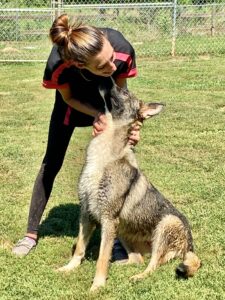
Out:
{"x": 181, "y": 151}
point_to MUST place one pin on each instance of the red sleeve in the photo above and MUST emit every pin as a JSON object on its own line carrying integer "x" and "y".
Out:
{"x": 126, "y": 66}
{"x": 57, "y": 72}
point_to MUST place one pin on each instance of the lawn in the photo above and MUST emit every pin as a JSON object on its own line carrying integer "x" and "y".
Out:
{"x": 181, "y": 151}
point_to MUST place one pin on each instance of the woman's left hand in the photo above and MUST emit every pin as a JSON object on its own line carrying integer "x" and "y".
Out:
{"x": 134, "y": 136}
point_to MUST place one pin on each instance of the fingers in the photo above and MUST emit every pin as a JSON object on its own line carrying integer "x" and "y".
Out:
{"x": 136, "y": 125}
{"x": 99, "y": 124}
{"x": 134, "y": 136}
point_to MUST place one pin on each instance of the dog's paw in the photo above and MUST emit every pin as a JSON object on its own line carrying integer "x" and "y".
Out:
{"x": 95, "y": 287}
{"x": 138, "y": 277}
{"x": 64, "y": 269}
{"x": 74, "y": 263}
{"x": 97, "y": 284}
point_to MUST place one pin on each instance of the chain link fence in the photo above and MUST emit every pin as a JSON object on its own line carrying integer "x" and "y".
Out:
{"x": 167, "y": 28}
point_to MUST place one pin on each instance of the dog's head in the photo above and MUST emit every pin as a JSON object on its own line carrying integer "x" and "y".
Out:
{"x": 127, "y": 107}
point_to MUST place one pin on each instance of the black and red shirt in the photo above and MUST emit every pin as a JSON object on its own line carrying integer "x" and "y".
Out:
{"x": 83, "y": 84}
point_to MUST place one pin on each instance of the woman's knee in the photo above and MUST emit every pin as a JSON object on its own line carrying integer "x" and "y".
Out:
{"x": 51, "y": 167}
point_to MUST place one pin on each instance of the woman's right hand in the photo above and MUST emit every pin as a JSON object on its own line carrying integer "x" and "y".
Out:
{"x": 99, "y": 124}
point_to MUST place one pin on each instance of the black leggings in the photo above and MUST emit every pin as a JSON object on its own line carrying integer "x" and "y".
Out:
{"x": 58, "y": 140}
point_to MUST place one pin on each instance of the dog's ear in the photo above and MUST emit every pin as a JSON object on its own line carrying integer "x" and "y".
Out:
{"x": 150, "y": 109}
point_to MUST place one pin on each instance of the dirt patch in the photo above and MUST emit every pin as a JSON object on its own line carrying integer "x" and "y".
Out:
{"x": 10, "y": 49}
{"x": 5, "y": 93}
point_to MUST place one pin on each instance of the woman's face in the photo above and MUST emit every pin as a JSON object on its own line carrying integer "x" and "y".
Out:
{"x": 103, "y": 63}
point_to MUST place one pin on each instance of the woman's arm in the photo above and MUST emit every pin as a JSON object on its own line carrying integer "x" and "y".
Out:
{"x": 99, "y": 123}
{"x": 76, "y": 104}
{"x": 83, "y": 107}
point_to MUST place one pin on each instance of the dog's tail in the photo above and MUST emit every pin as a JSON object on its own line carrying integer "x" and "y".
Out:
{"x": 189, "y": 266}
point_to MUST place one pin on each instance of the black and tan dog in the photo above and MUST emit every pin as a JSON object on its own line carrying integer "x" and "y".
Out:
{"x": 115, "y": 193}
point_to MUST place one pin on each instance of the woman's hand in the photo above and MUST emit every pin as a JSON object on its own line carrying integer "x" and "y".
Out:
{"x": 134, "y": 136}
{"x": 99, "y": 124}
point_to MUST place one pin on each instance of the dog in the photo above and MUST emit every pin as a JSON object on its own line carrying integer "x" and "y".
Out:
{"x": 114, "y": 193}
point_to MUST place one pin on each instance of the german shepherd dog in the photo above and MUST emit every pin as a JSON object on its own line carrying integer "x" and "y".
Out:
{"x": 114, "y": 193}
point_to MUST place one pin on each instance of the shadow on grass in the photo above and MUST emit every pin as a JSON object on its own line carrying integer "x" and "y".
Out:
{"x": 63, "y": 220}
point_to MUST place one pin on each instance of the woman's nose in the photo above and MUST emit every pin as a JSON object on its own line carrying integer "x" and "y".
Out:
{"x": 113, "y": 66}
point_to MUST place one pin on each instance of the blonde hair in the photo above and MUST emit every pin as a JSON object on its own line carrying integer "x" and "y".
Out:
{"x": 76, "y": 41}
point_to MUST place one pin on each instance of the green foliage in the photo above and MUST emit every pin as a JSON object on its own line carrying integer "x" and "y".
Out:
{"x": 181, "y": 151}
{"x": 26, "y": 3}
{"x": 44, "y": 3}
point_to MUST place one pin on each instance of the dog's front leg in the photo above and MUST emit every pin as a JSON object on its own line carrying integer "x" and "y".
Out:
{"x": 85, "y": 231}
{"x": 107, "y": 238}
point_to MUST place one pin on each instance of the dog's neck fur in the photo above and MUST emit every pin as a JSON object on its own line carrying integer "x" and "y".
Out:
{"x": 110, "y": 145}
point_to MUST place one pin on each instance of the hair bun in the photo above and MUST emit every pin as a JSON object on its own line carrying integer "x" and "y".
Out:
{"x": 70, "y": 30}
{"x": 76, "y": 41}
{"x": 60, "y": 30}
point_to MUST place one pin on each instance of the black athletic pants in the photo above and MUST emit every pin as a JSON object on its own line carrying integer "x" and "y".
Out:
{"x": 58, "y": 140}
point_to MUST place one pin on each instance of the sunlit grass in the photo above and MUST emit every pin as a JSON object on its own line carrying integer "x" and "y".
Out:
{"x": 181, "y": 151}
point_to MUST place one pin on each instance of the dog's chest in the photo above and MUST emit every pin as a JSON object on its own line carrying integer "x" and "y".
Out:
{"x": 90, "y": 177}
{"x": 98, "y": 156}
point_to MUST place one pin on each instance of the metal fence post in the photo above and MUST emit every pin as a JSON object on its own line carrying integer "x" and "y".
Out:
{"x": 56, "y": 6}
{"x": 173, "y": 48}
{"x": 53, "y": 9}
{"x": 59, "y": 8}
{"x": 213, "y": 9}
{"x": 17, "y": 25}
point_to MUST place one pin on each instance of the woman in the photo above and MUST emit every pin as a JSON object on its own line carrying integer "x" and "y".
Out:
{"x": 82, "y": 59}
